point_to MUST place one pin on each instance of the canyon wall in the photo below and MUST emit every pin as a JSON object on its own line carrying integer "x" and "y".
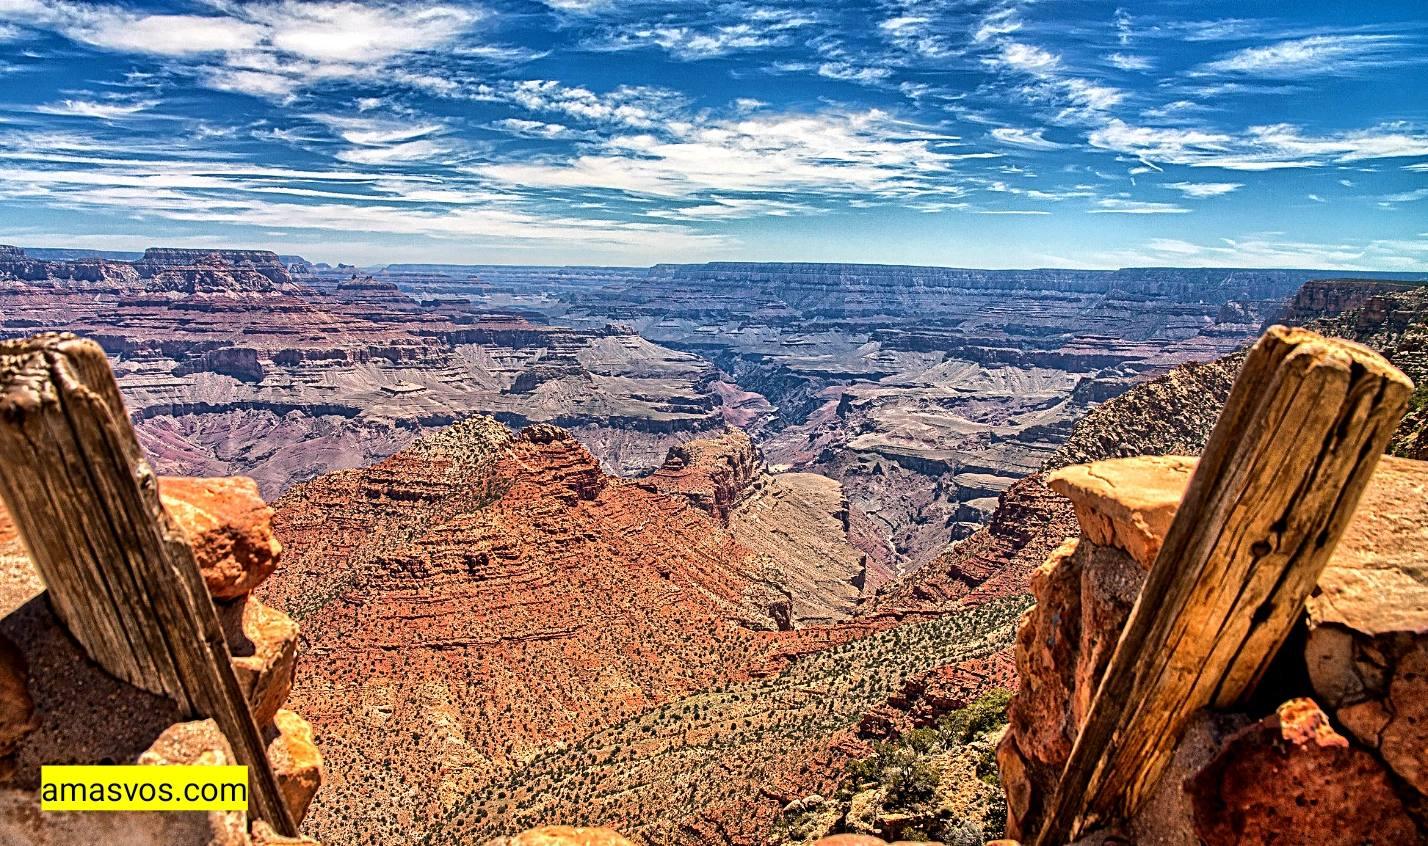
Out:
{"x": 231, "y": 364}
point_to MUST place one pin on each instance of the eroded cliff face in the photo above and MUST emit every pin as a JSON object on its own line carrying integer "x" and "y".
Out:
{"x": 1321, "y": 759}
{"x": 799, "y": 525}
{"x": 1328, "y": 298}
{"x": 713, "y": 473}
{"x": 58, "y": 707}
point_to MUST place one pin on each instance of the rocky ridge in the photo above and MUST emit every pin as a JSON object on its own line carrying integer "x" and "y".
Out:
{"x": 501, "y": 599}
{"x": 798, "y": 524}
{"x": 491, "y": 595}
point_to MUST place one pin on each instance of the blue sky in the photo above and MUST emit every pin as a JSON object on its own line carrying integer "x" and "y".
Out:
{"x": 954, "y": 132}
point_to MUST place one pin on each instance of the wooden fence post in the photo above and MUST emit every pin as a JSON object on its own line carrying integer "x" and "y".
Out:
{"x": 1303, "y": 429}
{"x": 119, "y": 572}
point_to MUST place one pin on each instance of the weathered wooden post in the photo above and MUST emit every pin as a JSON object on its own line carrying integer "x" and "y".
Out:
{"x": 1301, "y": 433}
{"x": 119, "y": 572}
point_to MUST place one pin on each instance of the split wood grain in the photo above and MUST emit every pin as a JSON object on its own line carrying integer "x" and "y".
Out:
{"x": 1305, "y": 425}
{"x": 119, "y": 572}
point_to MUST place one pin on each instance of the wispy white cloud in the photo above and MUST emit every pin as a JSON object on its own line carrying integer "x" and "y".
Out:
{"x": 1273, "y": 250}
{"x": 263, "y": 49}
{"x": 408, "y": 151}
{"x": 691, "y": 43}
{"x": 1174, "y": 110}
{"x": 736, "y": 27}
{"x": 727, "y": 208}
{"x": 1260, "y": 148}
{"x": 1316, "y": 54}
{"x": 1075, "y": 99}
{"x": 102, "y": 109}
{"x": 1121, "y": 205}
{"x": 999, "y": 22}
{"x": 535, "y": 128}
{"x": 1026, "y": 57}
{"x": 1124, "y": 27}
{"x": 828, "y": 154}
{"x": 218, "y": 194}
{"x": 1220, "y": 29}
{"x": 1130, "y": 62}
{"x": 919, "y": 35}
{"x": 1029, "y": 138}
{"x": 853, "y": 73}
{"x": 577, "y": 7}
{"x": 639, "y": 107}
{"x": 1201, "y": 190}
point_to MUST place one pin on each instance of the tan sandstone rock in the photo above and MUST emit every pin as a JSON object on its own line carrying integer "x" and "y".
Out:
{"x": 1367, "y": 649}
{"x": 263, "y": 642}
{"x": 1127, "y": 503}
{"x": 296, "y": 761}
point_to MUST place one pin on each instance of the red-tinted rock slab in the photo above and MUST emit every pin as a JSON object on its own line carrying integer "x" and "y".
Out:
{"x": 1291, "y": 779}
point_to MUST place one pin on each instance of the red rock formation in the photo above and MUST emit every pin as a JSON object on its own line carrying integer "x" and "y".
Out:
{"x": 480, "y": 596}
{"x": 997, "y": 560}
{"x": 1291, "y": 779}
{"x": 230, "y": 528}
{"x": 711, "y": 473}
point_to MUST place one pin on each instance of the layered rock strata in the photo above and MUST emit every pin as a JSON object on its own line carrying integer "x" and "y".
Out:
{"x": 925, "y": 391}
{"x": 58, "y": 707}
{"x": 484, "y": 595}
{"x": 1369, "y": 602}
{"x": 232, "y": 365}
